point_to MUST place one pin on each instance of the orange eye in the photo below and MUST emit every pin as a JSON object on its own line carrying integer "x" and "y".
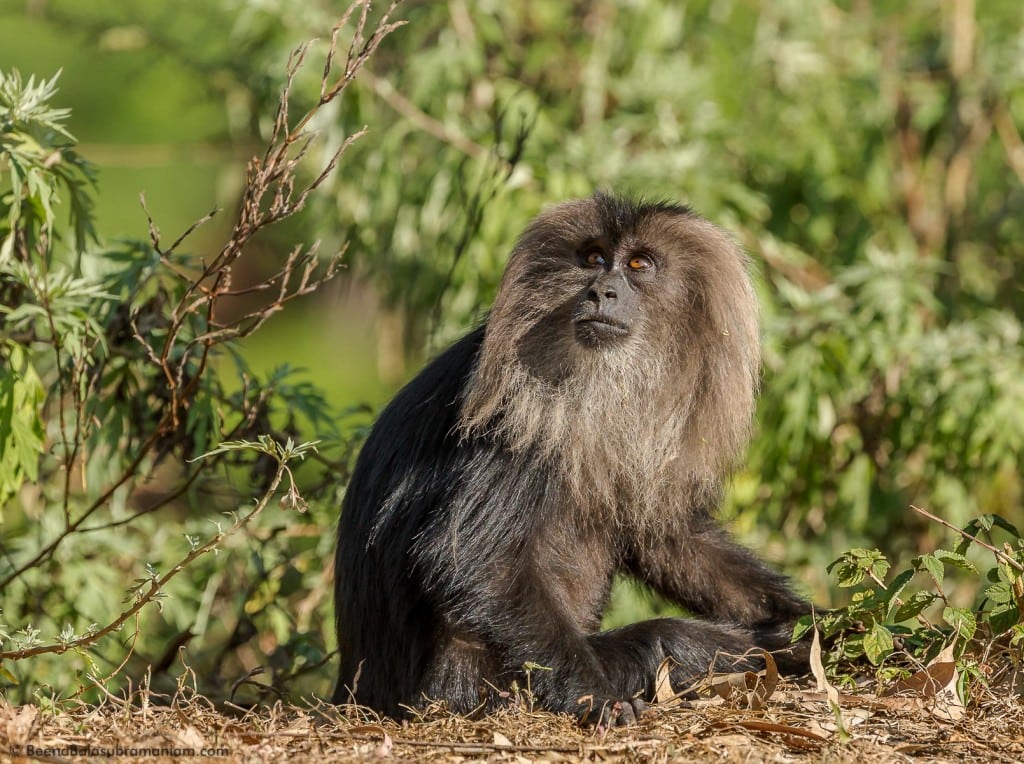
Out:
{"x": 640, "y": 263}
{"x": 593, "y": 257}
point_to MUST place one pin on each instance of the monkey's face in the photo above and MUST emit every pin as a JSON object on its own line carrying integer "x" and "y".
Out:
{"x": 609, "y": 307}
{"x": 600, "y": 284}
{"x": 595, "y": 278}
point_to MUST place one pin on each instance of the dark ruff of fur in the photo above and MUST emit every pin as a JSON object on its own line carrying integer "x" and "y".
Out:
{"x": 501, "y": 490}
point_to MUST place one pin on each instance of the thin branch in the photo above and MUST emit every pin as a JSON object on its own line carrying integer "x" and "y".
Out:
{"x": 272, "y": 193}
{"x": 423, "y": 121}
{"x": 1000, "y": 555}
{"x": 156, "y": 585}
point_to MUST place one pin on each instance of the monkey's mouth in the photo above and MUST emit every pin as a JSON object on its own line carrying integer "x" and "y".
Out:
{"x": 598, "y": 330}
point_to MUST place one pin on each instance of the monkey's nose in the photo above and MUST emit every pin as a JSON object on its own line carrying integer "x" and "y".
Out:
{"x": 607, "y": 293}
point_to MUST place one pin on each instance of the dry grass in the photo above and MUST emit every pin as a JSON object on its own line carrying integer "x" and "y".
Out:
{"x": 794, "y": 725}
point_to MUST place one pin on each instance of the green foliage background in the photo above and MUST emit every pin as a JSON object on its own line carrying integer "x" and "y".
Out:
{"x": 867, "y": 155}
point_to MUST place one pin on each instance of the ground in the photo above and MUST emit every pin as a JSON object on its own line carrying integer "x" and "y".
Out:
{"x": 793, "y": 724}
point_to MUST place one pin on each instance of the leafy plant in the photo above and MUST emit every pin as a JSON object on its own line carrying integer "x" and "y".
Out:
{"x": 876, "y": 185}
{"x": 896, "y": 627}
{"x": 118, "y": 407}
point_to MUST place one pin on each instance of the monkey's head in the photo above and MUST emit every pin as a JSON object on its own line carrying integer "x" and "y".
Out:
{"x": 627, "y": 333}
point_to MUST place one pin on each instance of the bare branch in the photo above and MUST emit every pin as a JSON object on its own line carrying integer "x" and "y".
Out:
{"x": 278, "y": 184}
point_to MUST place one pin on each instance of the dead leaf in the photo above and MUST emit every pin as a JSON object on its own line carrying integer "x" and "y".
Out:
{"x": 818, "y": 670}
{"x": 948, "y": 706}
{"x": 384, "y": 749}
{"x": 501, "y": 740}
{"x": 663, "y": 690}
{"x": 748, "y": 689}
{"x": 770, "y": 680}
{"x": 936, "y": 682}
{"x": 928, "y": 682}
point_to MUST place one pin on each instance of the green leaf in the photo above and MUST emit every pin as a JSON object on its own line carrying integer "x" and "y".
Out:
{"x": 932, "y": 565}
{"x": 877, "y": 643}
{"x": 851, "y": 568}
{"x": 847, "y": 573}
{"x": 913, "y": 606}
{"x": 956, "y": 560}
{"x": 961, "y": 619}
{"x": 1003, "y": 617}
{"x": 1018, "y": 635}
{"x": 803, "y": 625}
{"x": 21, "y": 424}
{"x": 7, "y": 676}
{"x": 1001, "y": 592}
{"x": 895, "y": 588}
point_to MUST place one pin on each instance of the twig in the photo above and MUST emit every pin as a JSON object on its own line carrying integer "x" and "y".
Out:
{"x": 1000, "y": 555}
{"x": 191, "y": 329}
{"x": 156, "y": 585}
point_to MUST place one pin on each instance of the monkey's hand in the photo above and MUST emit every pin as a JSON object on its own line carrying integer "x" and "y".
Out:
{"x": 584, "y": 692}
{"x": 607, "y": 712}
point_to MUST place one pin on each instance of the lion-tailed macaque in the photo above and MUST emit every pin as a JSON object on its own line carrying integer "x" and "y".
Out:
{"x": 585, "y": 429}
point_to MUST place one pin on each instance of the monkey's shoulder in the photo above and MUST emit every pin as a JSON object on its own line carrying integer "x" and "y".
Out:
{"x": 425, "y": 412}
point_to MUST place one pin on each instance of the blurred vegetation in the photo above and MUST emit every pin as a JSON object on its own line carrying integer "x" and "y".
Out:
{"x": 867, "y": 155}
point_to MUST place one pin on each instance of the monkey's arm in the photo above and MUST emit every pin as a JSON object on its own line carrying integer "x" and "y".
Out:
{"x": 705, "y": 571}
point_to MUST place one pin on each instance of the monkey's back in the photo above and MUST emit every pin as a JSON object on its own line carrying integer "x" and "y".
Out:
{"x": 387, "y": 621}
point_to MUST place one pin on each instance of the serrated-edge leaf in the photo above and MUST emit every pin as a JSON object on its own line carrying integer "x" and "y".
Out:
{"x": 895, "y": 588}
{"x": 1003, "y": 618}
{"x": 961, "y": 619}
{"x": 913, "y": 606}
{"x": 933, "y": 566}
{"x": 1000, "y": 592}
{"x": 877, "y": 643}
{"x": 955, "y": 559}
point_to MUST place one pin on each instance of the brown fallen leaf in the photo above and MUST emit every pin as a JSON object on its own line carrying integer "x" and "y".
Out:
{"x": 664, "y": 693}
{"x": 748, "y": 689}
{"x": 927, "y": 682}
{"x": 937, "y": 682}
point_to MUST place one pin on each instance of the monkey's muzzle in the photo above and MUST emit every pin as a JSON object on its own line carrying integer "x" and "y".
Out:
{"x": 600, "y": 330}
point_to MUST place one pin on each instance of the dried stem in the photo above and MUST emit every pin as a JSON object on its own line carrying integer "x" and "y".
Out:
{"x": 190, "y": 327}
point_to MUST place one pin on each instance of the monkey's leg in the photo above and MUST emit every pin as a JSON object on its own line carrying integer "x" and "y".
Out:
{"x": 459, "y": 672}
{"x": 471, "y": 669}
{"x": 522, "y": 614}
{"x": 569, "y": 676}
